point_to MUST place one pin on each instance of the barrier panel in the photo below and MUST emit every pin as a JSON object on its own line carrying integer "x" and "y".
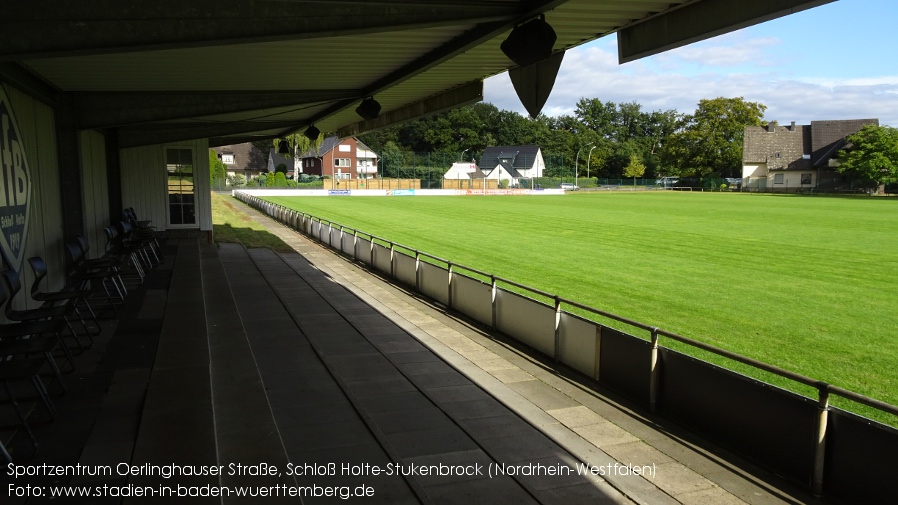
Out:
{"x": 624, "y": 364}
{"x": 363, "y": 251}
{"x": 769, "y": 425}
{"x": 383, "y": 259}
{"x": 335, "y": 237}
{"x": 579, "y": 342}
{"x": 860, "y": 463}
{"x": 530, "y": 321}
{"x": 829, "y": 451}
{"x": 433, "y": 281}
{"x": 404, "y": 269}
{"x": 347, "y": 244}
{"x": 473, "y": 298}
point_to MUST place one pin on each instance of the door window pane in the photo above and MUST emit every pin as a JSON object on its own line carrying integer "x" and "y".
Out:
{"x": 181, "y": 205}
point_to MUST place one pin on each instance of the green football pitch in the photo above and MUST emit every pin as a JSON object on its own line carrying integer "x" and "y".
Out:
{"x": 809, "y": 284}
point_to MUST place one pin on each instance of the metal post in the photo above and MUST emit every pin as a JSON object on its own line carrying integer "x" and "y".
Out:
{"x": 493, "y": 279}
{"x": 449, "y": 285}
{"x": 557, "y": 328}
{"x": 820, "y": 445}
{"x": 417, "y": 271}
{"x": 655, "y": 374}
{"x": 392, "y": 265}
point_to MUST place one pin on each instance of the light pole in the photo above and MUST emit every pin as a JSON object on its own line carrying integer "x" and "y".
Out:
{"x": 461, "y": 156}
{"x": 588, "y": 159}
{"x": 576, "y": 162}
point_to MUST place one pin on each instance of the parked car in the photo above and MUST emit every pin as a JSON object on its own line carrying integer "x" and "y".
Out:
{"x": 667, "y": 181}
{"x": 569, "y": 187}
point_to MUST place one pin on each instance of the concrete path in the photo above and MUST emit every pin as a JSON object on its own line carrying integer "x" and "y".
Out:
{"x": 361, "y": 401}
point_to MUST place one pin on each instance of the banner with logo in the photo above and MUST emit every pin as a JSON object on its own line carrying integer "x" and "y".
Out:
{"x": 15, "y": 187}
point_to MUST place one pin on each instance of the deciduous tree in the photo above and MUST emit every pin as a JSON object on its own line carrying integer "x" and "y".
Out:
{"x": 710, "y": 141}
{"x": 634, "y": 169}
{"x": 217, "y": 170}
{"x": 871, "y": 158}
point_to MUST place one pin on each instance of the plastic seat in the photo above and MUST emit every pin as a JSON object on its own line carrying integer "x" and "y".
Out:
{"x": 133, "y": 262}
{"x": 144, "y": 242}
{"x": 95, "y": 276}
{"x": 26, "y": 339}
{"x": 59, "y": 312}
{"x": 144, "y": 230}
{"x": 78, "y": 297}
{"x": 24, "y": 370}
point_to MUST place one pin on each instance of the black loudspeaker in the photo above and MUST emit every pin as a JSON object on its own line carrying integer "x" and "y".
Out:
{"x": 312, "y": 133}
{"x": 530, "y": 42}
{"x": 368, "y": 109}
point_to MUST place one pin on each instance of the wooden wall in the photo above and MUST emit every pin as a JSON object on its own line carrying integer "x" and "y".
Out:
{"x": 144, "y": 182}
{"x": 95, "y": 190}
{"x": 37, "y": 127}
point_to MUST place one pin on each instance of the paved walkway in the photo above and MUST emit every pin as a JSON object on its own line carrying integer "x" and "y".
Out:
{"x": 591, "y": 426}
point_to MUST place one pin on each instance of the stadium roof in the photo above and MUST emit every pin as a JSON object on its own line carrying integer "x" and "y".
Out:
{"x": 234, "y": 71}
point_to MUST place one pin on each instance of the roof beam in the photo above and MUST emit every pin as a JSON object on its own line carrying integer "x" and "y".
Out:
{"x": 164, "y": 133}
{"x": 19, "y": 77}
{"x": 454, "y": 47}
{"x": 698, "y": 21}
{"x": 104, "y": 110}
{"x": 463, "y": 95}
{"x": 238, "y": 139}
{"x": 47, "y": 28}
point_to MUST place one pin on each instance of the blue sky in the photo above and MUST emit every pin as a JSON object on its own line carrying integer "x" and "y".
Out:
{"x": 836, "y": 61}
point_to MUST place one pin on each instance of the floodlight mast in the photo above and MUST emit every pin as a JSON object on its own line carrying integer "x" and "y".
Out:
{"x": 588, "y": 159}
{"x": 576, "y": 161}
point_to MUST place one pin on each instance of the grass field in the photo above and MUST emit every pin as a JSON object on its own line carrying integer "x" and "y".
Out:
{"x": 809, "y": 284}
{"x": 231, "y": 224}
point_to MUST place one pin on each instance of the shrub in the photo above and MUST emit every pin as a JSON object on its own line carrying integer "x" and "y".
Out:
{"x": 237, "y": 181}
{"x": 280, "y": 180}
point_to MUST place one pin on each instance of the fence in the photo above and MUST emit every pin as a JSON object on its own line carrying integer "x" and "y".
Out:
{"x": 831, "y": 451}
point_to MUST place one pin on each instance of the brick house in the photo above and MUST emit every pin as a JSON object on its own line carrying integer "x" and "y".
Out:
{"x": 337, "y": 158}
{"x": 795, "y": 157}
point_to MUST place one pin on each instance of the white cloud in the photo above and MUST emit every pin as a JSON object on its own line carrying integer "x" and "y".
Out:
{"x": 730, "y": 50}
{"x": 675, "y": 83}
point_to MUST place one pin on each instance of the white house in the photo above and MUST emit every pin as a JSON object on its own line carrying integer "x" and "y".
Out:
{"x": 461, "y": 171}
{"x": 512, "y": 163}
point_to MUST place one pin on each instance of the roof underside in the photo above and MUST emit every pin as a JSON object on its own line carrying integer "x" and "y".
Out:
{"x": 232, "y": 71}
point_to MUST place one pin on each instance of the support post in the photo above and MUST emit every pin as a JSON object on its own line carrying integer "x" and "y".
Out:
{"x": 449, "y": 285}
{"x": 654, "y": 378}
{"x": 392, "y": 263}
{"x": 493, "y": 300}
{"x": 417, "y": 271}
{"x": 820, "y": 440}
{"x": 557, "y": 329}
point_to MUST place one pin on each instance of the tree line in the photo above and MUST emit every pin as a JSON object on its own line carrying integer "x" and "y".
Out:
{"x": 615, "y": 139}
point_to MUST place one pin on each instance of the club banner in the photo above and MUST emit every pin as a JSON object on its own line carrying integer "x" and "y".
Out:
{"x": 15, "y": 187}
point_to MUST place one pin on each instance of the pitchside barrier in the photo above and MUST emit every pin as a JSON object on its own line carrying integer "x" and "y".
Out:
{"x": 399, "y": 192}
{"x": 831, "y": 451}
